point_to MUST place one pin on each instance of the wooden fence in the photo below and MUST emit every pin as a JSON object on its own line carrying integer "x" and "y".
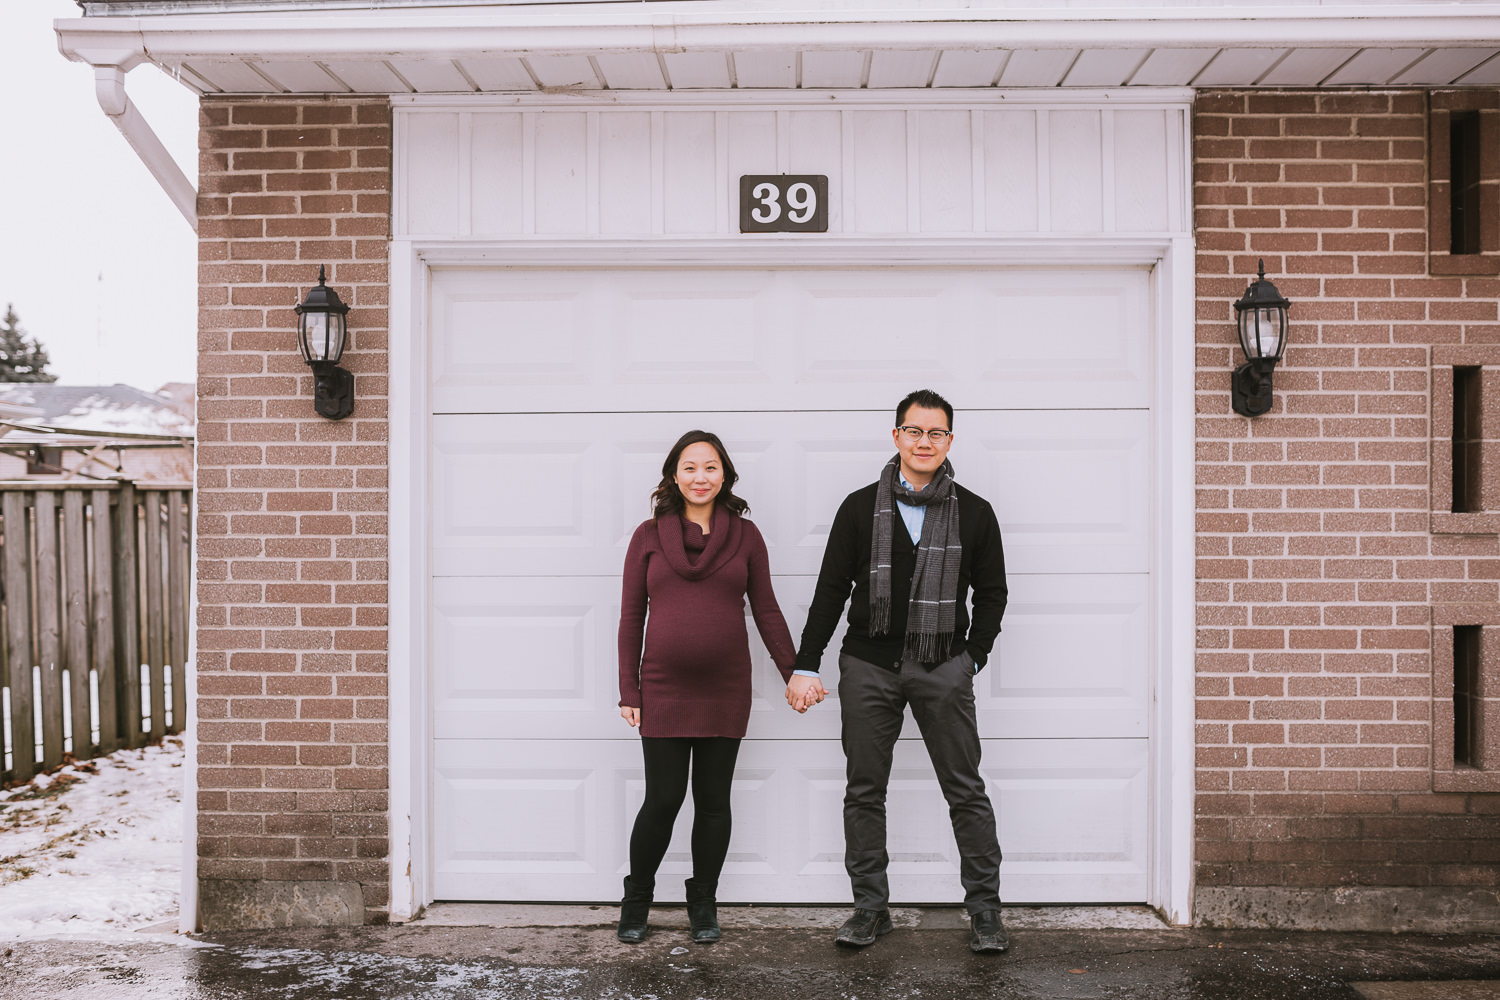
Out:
{"x": 94, "y": 612}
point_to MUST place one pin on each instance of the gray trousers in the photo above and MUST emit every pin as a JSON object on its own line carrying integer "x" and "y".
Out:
{"x": 872, "y": 705}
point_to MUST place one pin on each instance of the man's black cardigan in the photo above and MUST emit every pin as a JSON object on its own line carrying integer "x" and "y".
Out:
{"x": 846, "y": 563}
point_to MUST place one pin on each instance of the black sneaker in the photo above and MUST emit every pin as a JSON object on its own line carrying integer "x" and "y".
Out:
{"x": 863, "y": 928}
{"x": 987, "y": 933}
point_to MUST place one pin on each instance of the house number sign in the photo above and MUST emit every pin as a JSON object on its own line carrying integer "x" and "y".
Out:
{"x": 784, "y": 203}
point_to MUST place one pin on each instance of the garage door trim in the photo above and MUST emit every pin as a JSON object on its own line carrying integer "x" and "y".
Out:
{"x": 1171, "y": 259}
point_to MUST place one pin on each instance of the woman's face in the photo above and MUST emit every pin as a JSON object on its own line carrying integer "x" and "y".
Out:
{"x": 700, "y": 474}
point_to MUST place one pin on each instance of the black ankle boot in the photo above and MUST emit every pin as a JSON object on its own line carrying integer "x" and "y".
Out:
{"x": 634, "y": 908}
{"x": 703, "y": 911}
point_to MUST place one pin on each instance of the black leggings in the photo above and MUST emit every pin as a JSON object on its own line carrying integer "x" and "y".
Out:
{"x": 667, "y": 759}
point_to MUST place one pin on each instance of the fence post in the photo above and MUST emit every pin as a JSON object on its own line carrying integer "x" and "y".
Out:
{"x": 18, "y": 633}
{"x": 177, "y": 601}
{"x": 103, "y": 619}
{"x": 48, "y": 627}
{"x": 156, "y": 626}
{"x": 76, "y": 616}
{"x": 128, "y": 616}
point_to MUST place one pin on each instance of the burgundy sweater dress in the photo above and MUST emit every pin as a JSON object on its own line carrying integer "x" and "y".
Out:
{"x": 693, "y": 677}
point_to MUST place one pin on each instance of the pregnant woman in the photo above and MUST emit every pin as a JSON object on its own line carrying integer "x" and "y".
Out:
{"x": 685, "y": 677}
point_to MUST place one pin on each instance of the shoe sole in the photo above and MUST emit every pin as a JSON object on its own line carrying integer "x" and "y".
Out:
{"x": 989, "y": 949}
{"x": 849, "y": 942}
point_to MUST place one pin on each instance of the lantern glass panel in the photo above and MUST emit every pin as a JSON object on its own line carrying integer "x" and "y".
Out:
{"x": 1262, "y": 333}
{"x": 315, "y": 335}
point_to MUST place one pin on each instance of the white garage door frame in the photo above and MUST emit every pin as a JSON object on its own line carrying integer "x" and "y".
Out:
{"x": 1172, "y": 276}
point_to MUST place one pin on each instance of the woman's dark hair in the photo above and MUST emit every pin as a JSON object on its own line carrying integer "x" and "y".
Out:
{"x": 668, "y": 499}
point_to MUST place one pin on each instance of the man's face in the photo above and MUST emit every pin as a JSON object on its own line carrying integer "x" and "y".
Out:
{"x": 921, "y": 458}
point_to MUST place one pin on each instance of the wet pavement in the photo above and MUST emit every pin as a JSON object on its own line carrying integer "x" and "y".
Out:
{"x": 927, "y": 958}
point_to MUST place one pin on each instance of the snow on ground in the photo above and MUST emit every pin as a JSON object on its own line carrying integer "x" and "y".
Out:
{"x": 95, "y": 847}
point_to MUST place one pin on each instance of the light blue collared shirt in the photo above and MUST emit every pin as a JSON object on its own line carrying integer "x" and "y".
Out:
{"x": 915, "y": 515}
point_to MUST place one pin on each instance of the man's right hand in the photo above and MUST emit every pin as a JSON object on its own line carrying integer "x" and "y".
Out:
{"x": 804, "y": 692}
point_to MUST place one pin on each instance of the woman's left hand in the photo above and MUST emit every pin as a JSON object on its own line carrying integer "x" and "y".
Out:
{"x": 631, "y": 715}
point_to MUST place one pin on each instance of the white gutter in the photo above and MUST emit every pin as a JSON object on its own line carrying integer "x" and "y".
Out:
{"x": 111, "y": 62}
{"x": 588, "y": 28}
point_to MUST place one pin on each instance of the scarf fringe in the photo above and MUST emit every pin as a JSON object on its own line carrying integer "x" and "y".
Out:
{"x": 880, "y": 615}
{"x": 927, "y": 647}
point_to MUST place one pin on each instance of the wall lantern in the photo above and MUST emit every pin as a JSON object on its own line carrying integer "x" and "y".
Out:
{"x": 322, "y": 334}
{"x": 1261, "y": 312}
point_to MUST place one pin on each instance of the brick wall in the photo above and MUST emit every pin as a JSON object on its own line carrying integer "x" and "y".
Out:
{"x": 292, "y": 596}
{"x": 1318, "y": 576}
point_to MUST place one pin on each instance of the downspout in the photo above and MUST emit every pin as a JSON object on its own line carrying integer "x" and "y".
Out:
{"x": 109, "y": 87}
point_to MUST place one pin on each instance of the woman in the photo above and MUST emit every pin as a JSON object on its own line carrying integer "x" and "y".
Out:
{"x": 689, "y": 692}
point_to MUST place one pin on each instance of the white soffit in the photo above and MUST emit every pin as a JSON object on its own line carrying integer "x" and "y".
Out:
{"x": 302, "y": 77}
{"x": 1305, "y": 67}
{"x": 958, "y": 68}
{"x": 630, "y": 71}
{"x": 1374, "y": 66}
{"x": 431, "y": 76}
{"x": 1237, "y": 67}
{"x": 785, "y": 45}
{"x": 901, "y": 69}
{"x": 833, "y": 70}
{"x": 564, "y": 72}
{"x": 1172, "y": 67}
{"x": 1037, "y": 67}
{"x": 697, "y": 70}
{"x": 1105, "y": 67}
{"x": 502, "y": 73}
{"x": 774, "y": 70}
{"x": 1486, "y": 74}
{"x": 367, "y": 77}
{"x": 1443, "y": 66}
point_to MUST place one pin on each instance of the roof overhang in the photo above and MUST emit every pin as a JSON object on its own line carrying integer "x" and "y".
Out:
{"x": 331, "y": 48}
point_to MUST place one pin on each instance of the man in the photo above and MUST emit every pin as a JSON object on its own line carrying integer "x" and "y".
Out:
{"x": 911, "y": 545}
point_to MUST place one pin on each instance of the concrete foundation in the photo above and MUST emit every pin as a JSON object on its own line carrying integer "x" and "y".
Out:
{"x": 1425, "y": 910}
{"x": 246, "y": 904}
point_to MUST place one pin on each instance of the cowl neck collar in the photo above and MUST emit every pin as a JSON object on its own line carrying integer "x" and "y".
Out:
{"x": 722, "y": 543}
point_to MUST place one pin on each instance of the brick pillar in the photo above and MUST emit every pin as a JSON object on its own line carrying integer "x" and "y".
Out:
{"x": 1317, "y": 569}
{"x": 292, "y": 525}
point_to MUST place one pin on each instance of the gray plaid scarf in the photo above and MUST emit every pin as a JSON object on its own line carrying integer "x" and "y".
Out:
{"x": 934, "y": 582}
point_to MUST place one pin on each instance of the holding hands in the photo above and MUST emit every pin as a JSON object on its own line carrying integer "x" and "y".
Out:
{"x": 803, "y": 693}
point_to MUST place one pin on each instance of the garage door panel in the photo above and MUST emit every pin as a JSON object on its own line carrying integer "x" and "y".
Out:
{"x": 677, "y": 334}
{"x": 525, "y": 657}
{"x": 537, "y": 657}
{"x": 488, "y": 334}
{"x": 555, "y": 395}
{"x": 1072, "y": 659}
{"x": 1070, "y": 814}
{"x": 812, "y": 339}
{"x": 1070, "y": 488}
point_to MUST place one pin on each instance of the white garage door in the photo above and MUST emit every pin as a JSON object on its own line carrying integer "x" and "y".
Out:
{"x": 555, "y": 396}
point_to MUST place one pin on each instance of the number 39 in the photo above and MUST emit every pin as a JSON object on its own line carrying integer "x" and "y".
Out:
{"x": 801, "y": 200}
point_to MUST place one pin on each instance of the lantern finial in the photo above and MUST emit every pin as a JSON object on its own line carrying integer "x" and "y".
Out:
{"x": 1261, "y": 275}
{"x": 323, "y": 275}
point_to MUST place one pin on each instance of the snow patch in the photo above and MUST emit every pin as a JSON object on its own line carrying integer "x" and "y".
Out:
{"x": 98, "y": 414}
{"x": 95, "y": 847}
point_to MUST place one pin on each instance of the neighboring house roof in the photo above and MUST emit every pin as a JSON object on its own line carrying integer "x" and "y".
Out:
{"x": 107, "y": 409}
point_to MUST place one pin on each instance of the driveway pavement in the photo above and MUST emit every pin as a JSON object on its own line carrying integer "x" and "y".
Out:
{"x": 570, "y": 952}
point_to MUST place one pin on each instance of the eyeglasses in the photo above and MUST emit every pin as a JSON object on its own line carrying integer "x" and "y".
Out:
{"x": 937, "y": 435}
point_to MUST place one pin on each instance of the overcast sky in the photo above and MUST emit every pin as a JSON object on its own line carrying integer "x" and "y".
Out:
{"x": 100, "y": 265}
